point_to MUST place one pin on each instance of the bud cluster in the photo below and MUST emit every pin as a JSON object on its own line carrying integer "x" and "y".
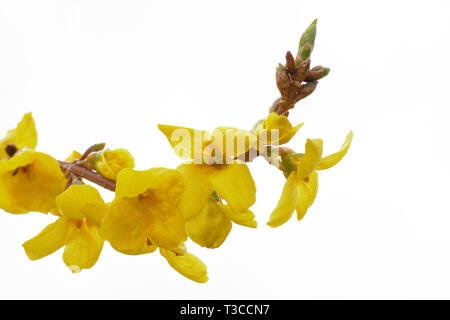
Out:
{"x": 295, "y": 80}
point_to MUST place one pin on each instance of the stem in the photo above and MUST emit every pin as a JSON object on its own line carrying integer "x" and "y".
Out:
{"x": 87, "y": 174}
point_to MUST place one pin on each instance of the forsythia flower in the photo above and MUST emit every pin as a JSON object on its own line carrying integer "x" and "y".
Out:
{"x": 211, "y": 226}
{"x": 144, "y": 213}
{"x": 81, "y": 210}
{"x": 301, "y": 186}
{"x": 30, "y": 181}
{"x": 233, "y": 182}
{"x": 223, "y": 145}
{"x": 110, "y": 162}
{"x": 286, "y": 131}
{"x": 24, "y": 136}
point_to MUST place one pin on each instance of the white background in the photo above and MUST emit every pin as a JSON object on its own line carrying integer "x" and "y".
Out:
{"x": 93, "y": 71}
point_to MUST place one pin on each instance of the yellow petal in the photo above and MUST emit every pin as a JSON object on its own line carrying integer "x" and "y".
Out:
{"x": 132, "y": 183}
{"x": 288, "y": 201}
{"x": 284, "y": 130}
{"x": 246, "y": 219}
{"x": 307, "y": 191}
{"x": 310, "y": 160}
{"x": 82, "y": 201}
{"x": 232, "y": 142}
{"x": 235, "y": 184}
{"x": 31, "y": 184}
{"x": 73, "y": 156}
{"x": 49, "y": 240}
{"x": 166, "y": 226}
{"x": 197, "y": 188}
{"x": 84, "y": 247}
{"x": 26, "y": 133}
{"x": 188, "y": 265}
{"x": 210, "y": 227}
{"x": 186, "y": 142}
{"x": 125, "y": 227}
{"x": 331, "y": 160}
{"x": 110, "y": 162}
{"x": 23, "y": 136}
{"x": 17, "y": 161}
{"x": 286, "y": 138}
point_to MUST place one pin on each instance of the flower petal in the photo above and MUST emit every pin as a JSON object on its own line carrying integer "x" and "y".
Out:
{"x": 246, "y": 219}
{"x": 125, "y": 227}
{"x": 235, "y": 184}
{"x": 75, "y": 155}
{"x": 132, "y": 183}
{"x": 332, "y": 159}
{"x": 310, "y": 160}
{"x": 307, "y": 191}
{"x": 188, "y": 265}
{"x": 82, "y": 201}
{"x": 285, "y": 132}
{"x": 286, "y": 206}
{"x": 197, "y": 188}
{"x": 23, "y": 136}
{"x": 49, "y": 240}
{"x": 84, "y": 246}
{"x": 210, "y": 227}
{"x": 186, "y": 142}
{"x": 166, "y": 226}
{"x": 232, "y": 142}
{"x": 26, "y": 135}
{"x": 290, "y": 134}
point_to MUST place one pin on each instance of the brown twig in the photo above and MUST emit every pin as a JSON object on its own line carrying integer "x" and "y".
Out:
{"x": 87, "y": 174}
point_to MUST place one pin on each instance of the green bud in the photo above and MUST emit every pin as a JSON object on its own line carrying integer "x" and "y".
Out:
{"x": 94, "y": 148}
{"x": 306, "y": 45}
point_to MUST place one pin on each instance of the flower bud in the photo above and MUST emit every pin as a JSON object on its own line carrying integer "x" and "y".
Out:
{"x": 306, "y": 44}
{"x": 317, "y": 73}
{"x": 276, "y": 130}
{"x": 110, "y": 162}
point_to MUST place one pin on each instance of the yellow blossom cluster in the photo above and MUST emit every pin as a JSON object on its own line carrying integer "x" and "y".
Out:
{"x": 162, "y": 208}
{"x": 159, "y": 208}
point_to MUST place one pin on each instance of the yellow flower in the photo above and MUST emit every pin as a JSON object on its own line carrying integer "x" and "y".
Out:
{"x": 30, "y": 181}
{"x": 187, "y": 264}
{"x": 24, "y": 136}
{"x": 144, "y": 213}
{"x": 301, "y": 185}
{"x": 110, "y": 162}
{"x": 233, "y": 181}
{"x": 264, "y": 130}
{"x": 211, "y": 226}
{"x": 81, "y": 211}
{"x": 223, "y": 145}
